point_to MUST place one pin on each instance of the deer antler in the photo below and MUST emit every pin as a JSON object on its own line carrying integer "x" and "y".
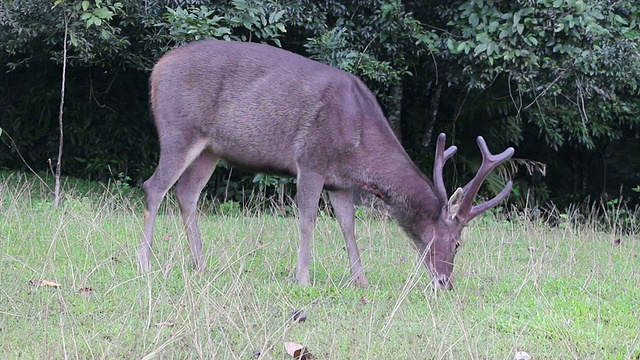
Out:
{"x": 438, "y": 164}
{"x": 489, "y": 162}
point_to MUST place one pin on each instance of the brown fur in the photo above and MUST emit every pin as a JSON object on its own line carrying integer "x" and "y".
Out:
{"x": 266, "y": 109}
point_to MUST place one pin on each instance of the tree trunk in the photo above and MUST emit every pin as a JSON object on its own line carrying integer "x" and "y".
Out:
{"x": 435, "y": 103}
{"x": 395, "y": 109}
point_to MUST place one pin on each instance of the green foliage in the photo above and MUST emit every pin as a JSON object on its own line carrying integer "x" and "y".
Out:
{"x": 556, "y": 78}
{"x": 334, "y": 49}
{"x": 373, "y": 40}
{"x": 230, "y": 208}
{"x": 194, "y": 24}
{"x": 567, "y": 68}
{"x": 240, "y": 21}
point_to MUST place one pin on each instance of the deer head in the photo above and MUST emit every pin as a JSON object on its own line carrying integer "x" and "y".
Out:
{"x": 439, "y": 241}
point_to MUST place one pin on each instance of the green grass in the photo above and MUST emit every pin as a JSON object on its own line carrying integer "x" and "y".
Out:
{"x": 555, "y": 292}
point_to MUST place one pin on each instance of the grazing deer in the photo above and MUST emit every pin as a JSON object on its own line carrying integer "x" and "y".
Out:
{"x": 266, "y": 109}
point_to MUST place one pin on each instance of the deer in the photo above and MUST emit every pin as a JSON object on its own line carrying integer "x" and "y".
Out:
{"x": 265, "y": 109}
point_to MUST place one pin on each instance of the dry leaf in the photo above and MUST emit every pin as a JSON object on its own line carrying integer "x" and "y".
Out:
{"x": 166, "y": 237}
{"x": 298, "y": 315}
{"x": 86, "y": 291}
{"x": 521, "y": 355}
{"x": 256, "y": 353}
{"x": 49, "y": 283}
{"x": 38, "y": 283}
{"x": 298, "y": 351}
{"x": 165, "y": 324}
{"x": 401, "y": 260}
{"x": 533, "y": 248}
{"x": 365, "y": 301}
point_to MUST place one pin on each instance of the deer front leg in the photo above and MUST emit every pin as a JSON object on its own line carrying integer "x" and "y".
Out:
{"x": 309, "y": 189}
{"x": 344, "y": 210}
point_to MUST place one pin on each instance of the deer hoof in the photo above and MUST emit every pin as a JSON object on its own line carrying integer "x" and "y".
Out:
{"x": 361, "y": 281}
{"x": 200, "y": 269}
{"x": 144, "y": 265}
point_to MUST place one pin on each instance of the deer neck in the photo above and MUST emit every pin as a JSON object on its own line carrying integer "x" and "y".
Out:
{"x": 408, "y": 192}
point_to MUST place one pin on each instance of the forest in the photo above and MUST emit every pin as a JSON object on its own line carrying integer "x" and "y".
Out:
{"x": 556, "y": 79}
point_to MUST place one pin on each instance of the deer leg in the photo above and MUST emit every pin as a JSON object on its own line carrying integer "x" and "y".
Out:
{"x": 173, "y": 161}
{"x": 188, "y": 191}
{"x": 309, "y": 189}
{"x": 344, "y": 210}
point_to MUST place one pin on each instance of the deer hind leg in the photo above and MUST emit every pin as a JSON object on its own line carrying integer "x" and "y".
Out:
{"x": 309, "y": 188}
{"x": 174, "y": 159}
{"x": 188, "y": 190}
{"x": 344, "y": 210}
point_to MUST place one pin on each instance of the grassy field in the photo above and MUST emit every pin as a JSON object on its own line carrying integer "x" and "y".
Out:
{"x": 562, "y": 292}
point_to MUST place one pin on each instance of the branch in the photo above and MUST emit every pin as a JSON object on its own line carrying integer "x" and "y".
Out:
{"x": 56, "y": 196}
{"x": 546, "y": 89}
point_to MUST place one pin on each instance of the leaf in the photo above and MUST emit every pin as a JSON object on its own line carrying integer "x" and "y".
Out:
{"x": 461, "y": 46}
{"x": 165, "y": 324}
{"x": 619, "y": 19}
{"x": 364, "y": 300}
{"x": 103, "y": 13}
{"x": 474, "y": 20}
{"x": 480, "y": 48}
{"x": 522, "y": 355}
{"x": 73, "y": 38}
{"x": 298, "y": 351}
{"x": 38, "y": 283}
{"x": 275, "y": 17}
{"x": 49, "y": 283}
{"x": 85, "y": 5}
{"x": 493, "y": 26}
{"x": 526, "y": 11}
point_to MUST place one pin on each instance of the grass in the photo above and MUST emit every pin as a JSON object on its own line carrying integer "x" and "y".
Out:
{"x": 562, "y": 292}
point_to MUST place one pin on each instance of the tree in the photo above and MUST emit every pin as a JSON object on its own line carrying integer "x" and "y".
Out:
{"x": 567, "y": 66}
{"x": 556, "y": 78}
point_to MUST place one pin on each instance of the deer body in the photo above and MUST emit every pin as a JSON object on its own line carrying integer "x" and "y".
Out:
{"x": 269, "y": 110}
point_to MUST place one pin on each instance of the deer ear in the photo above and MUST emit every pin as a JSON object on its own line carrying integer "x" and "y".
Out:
{"x": 453, "y": 206}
